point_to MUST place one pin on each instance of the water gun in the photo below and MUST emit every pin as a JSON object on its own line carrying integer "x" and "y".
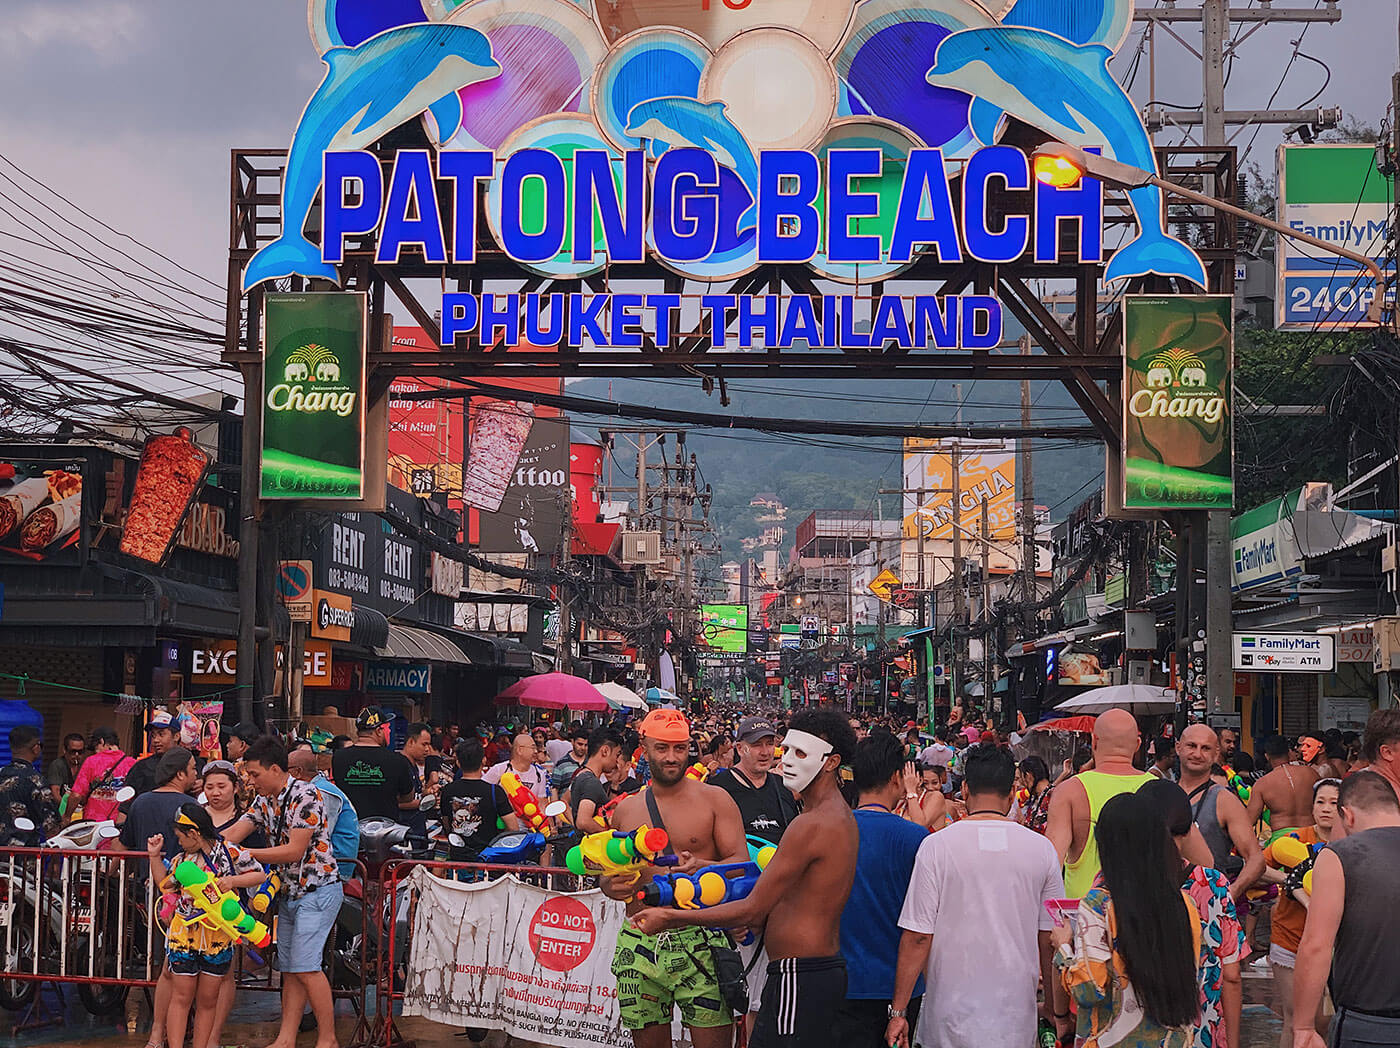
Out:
{"x": 1023, "y": 796}
{"x": 613, "y": 853}
{"x": 1297, "y": 858}
{"x": 698, "y": 772}
{"x": 527, "y": 806}
{"x": 711, "y": 886}
{"x": 1236, "y": 783}
{"x": 219, "y": 909}
{"x": 261, "y": 902}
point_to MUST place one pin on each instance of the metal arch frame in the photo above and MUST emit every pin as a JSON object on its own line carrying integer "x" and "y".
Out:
{"x": 1080, "y": 360}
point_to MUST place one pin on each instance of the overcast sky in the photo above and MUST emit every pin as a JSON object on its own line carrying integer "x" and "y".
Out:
{"x": 130, "y": 107}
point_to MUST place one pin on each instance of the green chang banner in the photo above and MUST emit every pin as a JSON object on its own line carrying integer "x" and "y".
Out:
{"x": 313, "y": 430}
{"x": 725, "y": 627}
{"x": 1178, "y": 434}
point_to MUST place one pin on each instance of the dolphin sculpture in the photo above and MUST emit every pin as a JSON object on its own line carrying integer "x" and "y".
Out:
{"x": 1066, "y": 90}
{"x": 676, "y": 122}
{"x": 369, "y": 90}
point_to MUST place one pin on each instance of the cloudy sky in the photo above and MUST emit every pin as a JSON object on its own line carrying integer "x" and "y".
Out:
{"x": 130, "y": 107}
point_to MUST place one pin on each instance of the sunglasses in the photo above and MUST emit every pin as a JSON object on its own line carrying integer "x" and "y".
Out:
{"x": 76, "y": 753}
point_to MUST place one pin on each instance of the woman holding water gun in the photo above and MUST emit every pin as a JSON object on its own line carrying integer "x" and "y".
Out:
{"x": 198, "y": 954}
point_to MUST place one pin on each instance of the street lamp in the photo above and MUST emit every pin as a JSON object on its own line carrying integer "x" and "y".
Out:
{"x": 1056, "y": 162}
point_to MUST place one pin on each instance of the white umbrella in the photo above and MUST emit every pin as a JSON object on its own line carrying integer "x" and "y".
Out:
{"x": 620, "y": 698}
{"x": 1135, "y": 698}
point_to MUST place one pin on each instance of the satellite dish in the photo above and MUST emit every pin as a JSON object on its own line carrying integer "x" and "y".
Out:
{"x": 107, "y": 831}
{"x": 24, "y": 825}
{"x": 555, "y": 809}
{"x": 125, "y": 794}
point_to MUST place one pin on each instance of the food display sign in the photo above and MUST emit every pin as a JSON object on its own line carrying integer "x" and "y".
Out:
{"x": 168, "y": 477}
{"x": 854, "y": 139}
{"x": 41, "y": 511}
{"x": 1178, "y": 414}
{"x": 313, "y": 411}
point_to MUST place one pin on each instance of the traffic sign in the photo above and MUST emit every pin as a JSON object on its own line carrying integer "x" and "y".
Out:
{"x": 294, "y": 587}
{"x": 881, "y": 584}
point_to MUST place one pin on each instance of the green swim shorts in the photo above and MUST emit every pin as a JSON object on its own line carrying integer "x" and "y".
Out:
{"x": 656, "y": 973}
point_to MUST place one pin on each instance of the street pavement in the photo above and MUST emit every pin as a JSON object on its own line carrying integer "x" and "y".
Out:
{"x": 254, "y": 1025}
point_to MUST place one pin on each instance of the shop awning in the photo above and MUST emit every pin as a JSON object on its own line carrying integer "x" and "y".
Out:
{"x": 415, "y": 645}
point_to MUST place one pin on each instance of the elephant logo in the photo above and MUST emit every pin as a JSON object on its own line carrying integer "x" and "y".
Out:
{"x": 1176, "y": 367}
{"x": 310, "y": 361}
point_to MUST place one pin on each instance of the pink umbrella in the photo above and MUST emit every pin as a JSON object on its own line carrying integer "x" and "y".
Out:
{"x": 553, "y": 691}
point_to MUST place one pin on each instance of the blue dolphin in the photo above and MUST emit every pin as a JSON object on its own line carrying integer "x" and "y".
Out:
{"x": 676, "y": 122}
{"x": 1066, "y": 90}
{"x": 369, "y": 90}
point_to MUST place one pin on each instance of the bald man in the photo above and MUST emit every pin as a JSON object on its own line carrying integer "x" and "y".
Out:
{"x": 1217, "y": 812}
{"x": 523, "y": 754}
{"x": 1076, "y": 802}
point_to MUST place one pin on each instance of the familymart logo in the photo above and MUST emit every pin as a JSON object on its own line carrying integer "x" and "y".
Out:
{"x": 311, "y": 383}
{"x": 1177, "y": 386}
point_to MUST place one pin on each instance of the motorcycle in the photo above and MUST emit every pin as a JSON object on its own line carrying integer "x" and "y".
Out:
{"x": 363, "y": 916}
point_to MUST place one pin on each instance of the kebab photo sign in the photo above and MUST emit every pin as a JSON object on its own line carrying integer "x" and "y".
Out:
{"x": 168, "y": 478}
{"x": 41, "y": 511}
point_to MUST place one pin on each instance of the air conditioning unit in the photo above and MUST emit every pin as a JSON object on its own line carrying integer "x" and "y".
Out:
{"x": 641, "y": 547}
{"x": 1115, "y": 675}
{"x": 1139, "y": 671}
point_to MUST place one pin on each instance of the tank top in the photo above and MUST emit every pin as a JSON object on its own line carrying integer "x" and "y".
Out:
{"x": 1207, "y": 820}
{"x": 1370, "y": 926}
{"x": 1100, "y": 788}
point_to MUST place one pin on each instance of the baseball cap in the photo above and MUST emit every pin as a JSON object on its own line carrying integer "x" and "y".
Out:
{"x": 370, "y": 717}
{"x": 751, "y": 729}
{"x": 161, "y": 719}
{"x": 666, "y": 726}
{"x": 246, "y": 732}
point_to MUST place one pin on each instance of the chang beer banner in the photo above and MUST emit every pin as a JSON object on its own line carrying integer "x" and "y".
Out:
{"x": 313, "y": 432}
{"x": 1178, "y": 435}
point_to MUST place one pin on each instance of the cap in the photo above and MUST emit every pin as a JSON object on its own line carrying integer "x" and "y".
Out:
{"x": 910, "y": 724}
{"x": 370, "y": 717}
{"x": 751, "y": 729}
{"x": 666, "y": 726}
{"x": 161, "y": 719}
{"x": 246, "y": 732}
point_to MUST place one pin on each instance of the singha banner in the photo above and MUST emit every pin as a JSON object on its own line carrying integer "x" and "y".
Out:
{"x": 313, "y": 412}
{"x": 1178, "y": 429}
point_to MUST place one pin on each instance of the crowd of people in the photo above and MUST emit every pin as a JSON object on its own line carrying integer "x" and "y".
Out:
{"x": 924, "y": 889}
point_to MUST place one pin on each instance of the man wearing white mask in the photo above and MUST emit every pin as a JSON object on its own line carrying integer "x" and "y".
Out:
{"x": 800, "y": 896}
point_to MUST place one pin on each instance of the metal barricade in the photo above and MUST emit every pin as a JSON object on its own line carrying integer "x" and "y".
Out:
{"x": 394, "y": 911}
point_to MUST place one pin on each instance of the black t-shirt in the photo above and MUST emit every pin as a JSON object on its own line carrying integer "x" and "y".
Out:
{"x": 766, "y": 811}
{"x": 150, "y": 814}
{"x": 374, "y": 778}
{"x": 470, "y": 808}
{"x": 586, "y": 787}
{"x": 142, "y": 778}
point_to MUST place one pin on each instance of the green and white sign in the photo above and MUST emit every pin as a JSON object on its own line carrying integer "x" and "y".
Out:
{"x": 1178, "y": 435}
{"x": 313, "y": 410}
{"x": 1335, "y": 193}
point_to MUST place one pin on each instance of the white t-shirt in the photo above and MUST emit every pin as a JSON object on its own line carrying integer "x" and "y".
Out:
{"x": 936, "y": 755}
{"x": 978, "y": 889}
{"x": 535, "y": 778}
{"x": 558, "y": 749}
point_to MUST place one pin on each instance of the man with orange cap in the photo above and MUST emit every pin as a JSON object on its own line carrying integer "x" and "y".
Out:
{"x": 657, "y": 973}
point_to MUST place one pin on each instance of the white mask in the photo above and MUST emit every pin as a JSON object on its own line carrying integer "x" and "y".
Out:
{"x": 798, "y": 772}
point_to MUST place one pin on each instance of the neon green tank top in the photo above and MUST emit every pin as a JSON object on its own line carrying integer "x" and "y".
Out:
{"x": 1100, "y": 787}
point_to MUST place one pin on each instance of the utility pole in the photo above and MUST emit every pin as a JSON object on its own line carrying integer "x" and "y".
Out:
{"x": 1028, "y": 587}
{"x": 959, "y": 597}
{"x": 989, "y": 637}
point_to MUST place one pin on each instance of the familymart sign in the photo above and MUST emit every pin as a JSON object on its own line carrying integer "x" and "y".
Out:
{"x": 1284, "y": 652}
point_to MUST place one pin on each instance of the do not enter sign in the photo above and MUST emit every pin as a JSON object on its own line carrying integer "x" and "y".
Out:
{"x": 562, "y": 934}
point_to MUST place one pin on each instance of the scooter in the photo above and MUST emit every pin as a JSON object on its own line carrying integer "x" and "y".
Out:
{"x": 357, "y": 938}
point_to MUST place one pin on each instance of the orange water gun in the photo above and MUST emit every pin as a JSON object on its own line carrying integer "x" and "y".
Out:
{"x": 698, "y": 772}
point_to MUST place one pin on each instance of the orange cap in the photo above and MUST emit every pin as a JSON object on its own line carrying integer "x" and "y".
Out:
{"x": 666, "y": 726}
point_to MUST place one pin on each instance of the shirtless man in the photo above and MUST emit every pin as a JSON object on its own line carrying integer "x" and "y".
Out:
{"x": 801, "y": 894}
{"x": 1286, "y": 790}
{"x": 703, "y": 823}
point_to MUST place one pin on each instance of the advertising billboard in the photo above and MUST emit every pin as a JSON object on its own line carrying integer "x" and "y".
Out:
{"x": 168, "y": 478}
{"x": 1335, "y": 193}
{"x": 725, "y": 627}
{"x": 41, "y": 511}
{"x": 986, "y": 472}
{"x": 536, "y": 494}
{"x": 313, "y": 418}
{"x": 1178, "y": 415}
{"x": 427, "y": 438}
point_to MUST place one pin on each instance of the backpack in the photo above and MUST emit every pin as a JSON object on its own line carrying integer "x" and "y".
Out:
{"x": 345, "y": 826}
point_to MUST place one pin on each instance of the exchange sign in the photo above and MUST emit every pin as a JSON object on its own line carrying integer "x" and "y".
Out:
{"x": 313, "y": 432}
{"x": 1178, "y": 445}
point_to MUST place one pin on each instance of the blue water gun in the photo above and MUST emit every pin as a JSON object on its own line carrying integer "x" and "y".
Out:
{"x": 710, "y": 886}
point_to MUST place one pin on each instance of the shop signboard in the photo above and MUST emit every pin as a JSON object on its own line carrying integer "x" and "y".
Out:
{"x": 216, "y": 662}
{"x": 401, "y": 678}
{"x": 714, "y": 139}
{"x": 1263, "y": 547}
{"x": 536, "y": 496}
{"x": 362, "y": 556}
{"x": 1335, "y": 193}
{"x": 427, "y": 438}
{"x": 168, "y": 478}
{"x": 41, "y": 511}
{"x": 725, "y": 627}
{"x": 332, "y": 615}
{"x": 1178, "y": 421}
{"x": 348, "y": 675}
{"x": 313, "y": 412}
{"x": 1356, "y": 644}
{"x": 1284, "y": 652}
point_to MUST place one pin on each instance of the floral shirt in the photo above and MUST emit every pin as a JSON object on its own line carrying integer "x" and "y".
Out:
{"x": 1036, "y": 813}
{"x": 24, "y": 794}
{"x": 1222, "y": 941}
{"x": 297, "y": 807}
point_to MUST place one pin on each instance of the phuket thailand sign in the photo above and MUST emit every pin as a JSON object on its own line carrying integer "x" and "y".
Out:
{"x": 313, "y": 412}
{"x": 851, "y": 138}
{"x": 1178, "y": 433}
{"x": 1335, "y": 193}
